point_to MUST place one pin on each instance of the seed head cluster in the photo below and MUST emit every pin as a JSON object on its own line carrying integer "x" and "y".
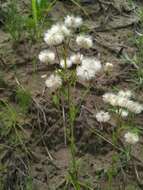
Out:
{"x": 53, "y": 82}
{"x": 123, "y": 100}
{"x": 84, "y": 41}
{"x": 66, "y": 63}
{"x": 88, "y": 69}
{"x": 59, "y": 36}
{"x": 47, "y": 56}
{"x": 103, "y": 116}
{"x": 131, "y": 138}
{"x": 73, "y": 22}
{"x": 76, "y": 58}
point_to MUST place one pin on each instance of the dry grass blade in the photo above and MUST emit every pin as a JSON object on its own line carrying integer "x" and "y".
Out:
{"x": 78, "y": 5}
{"x": 46, "y": 148}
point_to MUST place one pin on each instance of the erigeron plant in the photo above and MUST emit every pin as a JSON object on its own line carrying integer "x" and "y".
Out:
{"x": 123, "y": 100}
{"x": 59, "y": 37}
{"x": 125, "y": 109}
{"x": 71, "y": 66}
{"x": 131, "y": 138}
{"x": 124, "y": 105}
{"x": 103, "y": 116}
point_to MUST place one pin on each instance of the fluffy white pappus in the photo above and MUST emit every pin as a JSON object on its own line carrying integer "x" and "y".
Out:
{"x": 47, "y": 56}
{"x": 131, "y": 105}
{"x": 131, "y": 138}
{"x": 84, "y": 41}
{"x": 60, "y": 28}
{"x": 53, "y": 39}
{"x": 108, "y": 67}
{"x": 110, "y": 98}
{"x": 92, "y": 64}
{"x": 55, "y": 28}
{"x": 84, "y": 74}
{"x": 76, "y": 58}
{"x": 66, "y": 32}
{"x": 103, "y": 116}
{"x": 134, "y": 107}
{"x": 116, "y": 100}
{"x": 68, "y": 63}
{"x": 57, "y": 34}
{"x": 125, "y": 93}
{"x": 121, "y": 101}
{"x": 53, "y": 82}
{"x": 122, "y": 112}
{"x": 72, "y": 21}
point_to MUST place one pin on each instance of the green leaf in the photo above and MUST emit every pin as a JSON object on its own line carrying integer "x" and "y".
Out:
{"x": 56, "y": 100}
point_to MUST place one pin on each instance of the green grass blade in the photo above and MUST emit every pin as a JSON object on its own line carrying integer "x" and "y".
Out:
{"x": 35, "y": 12}
{"x": 51, "y": 5}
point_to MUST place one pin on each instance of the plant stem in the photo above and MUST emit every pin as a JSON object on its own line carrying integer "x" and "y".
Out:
{"x": 64, "y": 124}
{"x": 35, "y": 13}
{"x": 65, "y": 57}
{"x": 57, "y": 53}
{"x": 72, "y": 148}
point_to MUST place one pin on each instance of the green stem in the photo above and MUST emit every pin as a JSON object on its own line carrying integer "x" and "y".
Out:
{"x": 72, "y": 148}
{"x": 35, "y": 13}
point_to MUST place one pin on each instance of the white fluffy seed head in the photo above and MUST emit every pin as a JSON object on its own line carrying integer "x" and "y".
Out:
{"x": 84, "y": 41}
{"x": 115, "y": 100}
{"x": 108, "y": 67}
{"x": 53, "y": 82}
{"x": 76, "y": 58}
{"x": 60, "y": 28}
{"x": 92, "y": 64}
{"x": 73, "y": 22}
{"x": 122, "y": 112}
{"x": 55, "y": 28}
{"x": 65, "y": 31}
{"x": 57, "y": 34}
{"x": 110, "y": 98}
{"x": 125, "y": 93}
{"x": 47, "y": 56}
{"x": 103, "y": 116}
{"x": 131, "y": 138}
{"x": 53, "y": 39}
{"x": 123, "y": 101}
{"x": 84, "y": 74}
{"x": 66, "y": 64}
{"x": 89, "y": 67}
{"x": 134, "y": 107}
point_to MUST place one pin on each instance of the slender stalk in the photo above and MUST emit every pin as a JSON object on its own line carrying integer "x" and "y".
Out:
{"x": 64, "y": 124}
{"x": 65, "y": 78}
{"x": 73, "y": 152}
{"x": 57, "y": 53}
{"x": 72, "y": 148}
{"x": 65, "y": 56}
